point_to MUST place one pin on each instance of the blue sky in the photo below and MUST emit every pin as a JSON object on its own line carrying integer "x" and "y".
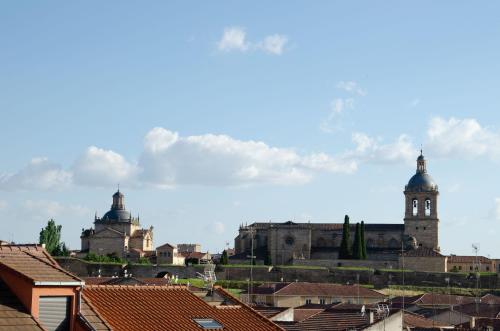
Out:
{"x": 214, "y": 114}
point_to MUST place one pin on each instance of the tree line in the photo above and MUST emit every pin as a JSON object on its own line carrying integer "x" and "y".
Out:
{"x": 356, "y": 250}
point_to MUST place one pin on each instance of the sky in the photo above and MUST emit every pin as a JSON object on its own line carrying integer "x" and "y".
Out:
{"x": 214, "y": 114}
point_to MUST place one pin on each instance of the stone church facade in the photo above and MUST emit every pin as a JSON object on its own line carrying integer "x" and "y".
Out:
{"x": 289, "y": 241}
{"x": 118, "y": 233}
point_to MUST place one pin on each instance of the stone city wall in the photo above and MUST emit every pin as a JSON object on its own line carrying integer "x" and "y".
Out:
{"x": 376, "y": 277}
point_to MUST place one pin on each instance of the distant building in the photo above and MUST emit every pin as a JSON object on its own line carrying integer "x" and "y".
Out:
{"x": 168, "y": 254}
{"x": 188, "y": 248}
{"x": 284, "y": 243}
{"x": 197, "y": 257}
{"x": 460, "y": 263}
{"x": 301, "y": 293}
{"x": 118, "y": 233}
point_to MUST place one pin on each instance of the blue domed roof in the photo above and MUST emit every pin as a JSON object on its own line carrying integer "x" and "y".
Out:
{"x": 117, "y": 215}
{"x": 421, "y": 182}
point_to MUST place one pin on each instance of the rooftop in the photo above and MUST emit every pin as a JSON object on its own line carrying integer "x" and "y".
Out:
{"x": 468, "y": 259}
{"x": 13, "y": 315}
{"x": 35, "y": 264}
{"x": 147, "y": 308}
{"x": 317, "y": 289}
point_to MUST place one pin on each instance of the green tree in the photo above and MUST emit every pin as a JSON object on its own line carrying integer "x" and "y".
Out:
{"x": 363, "y": 241}
{"x": 357, "y": 249}
{"x": 224, "y": 258}
{"x": 51, "y": 237}
{"x": 345, "y": 246}
{"x": 268, "y": 260}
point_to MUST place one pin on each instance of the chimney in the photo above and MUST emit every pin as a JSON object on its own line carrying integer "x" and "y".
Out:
{"x": 371, "y": 317}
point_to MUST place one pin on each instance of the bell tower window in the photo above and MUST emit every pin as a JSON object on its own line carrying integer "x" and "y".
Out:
{"x": 415, "y": 207}
{"x": 428, "y": 207}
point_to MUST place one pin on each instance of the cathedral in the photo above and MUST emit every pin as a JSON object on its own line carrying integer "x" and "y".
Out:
{"x": 118, "y": 233}
{"x": 285, "y": 242}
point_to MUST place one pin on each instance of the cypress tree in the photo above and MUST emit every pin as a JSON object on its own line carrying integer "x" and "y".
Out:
{"x": 345, "y": 246}
{"x": 363, "y": 242}
{"x": 357, "y": 249}
{"x": 224, "y": 258}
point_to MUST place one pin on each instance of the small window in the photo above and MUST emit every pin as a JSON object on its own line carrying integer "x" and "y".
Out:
{"x": 459, "y": 267}
{"x": 208, "y": 323}
{"x": 322, "y": 301}
{"x": 428, "y": 207}
{"x": 308, "y": 301}
{"x": 425, "y": 228}
{"x": 415, "y": 207}
{"x": 470, "y": 268}
{"x": 416, "y": 228}
{"x": 487, "y": 268}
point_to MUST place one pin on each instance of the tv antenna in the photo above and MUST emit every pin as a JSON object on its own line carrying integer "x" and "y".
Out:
{"x": 208, "y": 276}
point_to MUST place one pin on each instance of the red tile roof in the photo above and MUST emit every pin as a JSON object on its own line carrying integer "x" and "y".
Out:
{"x": 423, "y": 252}
{"x": 325, "y": 289}
{"x": 147, "y": 308}
{"x": 411, "y": 320}
{"x": 468, "y": 259}
{"x": 269, "y": 311}
{"x": 13, "y": 316}
{"x": 34, "y": 263}
{"x": 433, "y": 299}
{"x": 491, "y": 299}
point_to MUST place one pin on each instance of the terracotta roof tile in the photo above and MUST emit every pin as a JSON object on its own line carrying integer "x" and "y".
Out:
{"x": 491, "y": 299}
{"x": 411, "y": 320}
{"x": 147, "y": 308}
{"x": 13, "y": 316}
{"x": 423, "y": 252}
{"x": 34, "y": 263}
{"x": 327, "y": 289}
{"x": 126, "y": 281}
{"x": 269, "y": 312}
{"x": 467, "y": 259}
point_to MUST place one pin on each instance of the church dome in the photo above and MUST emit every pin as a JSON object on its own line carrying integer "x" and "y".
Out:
{"x": 117, "y": 215}
{"x": 118, "y": 212}
{"x": 421, "y": 181}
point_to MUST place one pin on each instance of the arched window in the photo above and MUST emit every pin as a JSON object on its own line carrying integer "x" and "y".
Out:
{"x": 427, "y": 207}
{"x": 415, "y": 207}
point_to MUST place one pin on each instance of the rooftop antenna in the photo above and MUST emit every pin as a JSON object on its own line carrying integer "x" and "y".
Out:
{"x": 475, "y": 248}
{"x": 118, "y": 187}
{"x": 208, "y": 276}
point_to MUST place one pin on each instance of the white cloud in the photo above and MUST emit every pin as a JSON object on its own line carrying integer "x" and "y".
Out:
{"x": 100, "y": 167}
{"x": 234, "y": 39}
{"x": 52, "y": 209}
{"x": 369, "y": 149}
{"x": 351, "y": 87}
{"x": 274, "y": 44}
{"x": 170, "y": 160}
{"x": 337, "y": 107}
{"x": 40, "y": 173}
{"x": 461, "y": 138}
{"x": 221, "y": 160}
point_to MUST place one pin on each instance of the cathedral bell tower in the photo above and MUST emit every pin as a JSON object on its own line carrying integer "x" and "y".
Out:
{"x": 421, "y": 217}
